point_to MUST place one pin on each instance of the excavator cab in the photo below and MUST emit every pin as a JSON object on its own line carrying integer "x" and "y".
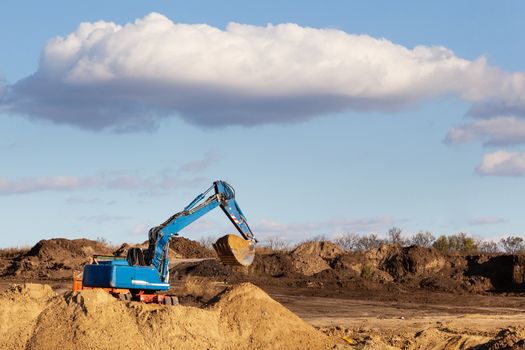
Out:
{"x": 235, "y": 251}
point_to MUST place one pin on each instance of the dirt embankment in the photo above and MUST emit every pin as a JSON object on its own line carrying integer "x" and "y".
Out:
{"x": 53, "y": 259}
{"x": 311, "y": 264}
{"x": 57, "y": 258}
{"x": 243, "y": 317}
{"x": 325, "y": 265}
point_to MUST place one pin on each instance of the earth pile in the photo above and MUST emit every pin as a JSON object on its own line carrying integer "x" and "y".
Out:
{"x": 242, "y": 317}
{"x": 55, "y": 258}
{"x": 186, "y": 248}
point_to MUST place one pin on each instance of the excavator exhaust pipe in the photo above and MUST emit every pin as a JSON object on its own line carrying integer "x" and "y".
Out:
{"x": 235, "y": 251}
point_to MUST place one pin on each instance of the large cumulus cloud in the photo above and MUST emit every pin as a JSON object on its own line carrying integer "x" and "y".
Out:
{"x": 107, "y": 76}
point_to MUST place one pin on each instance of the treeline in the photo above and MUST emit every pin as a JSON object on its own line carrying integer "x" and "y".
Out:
{"x": 455, "y": 243}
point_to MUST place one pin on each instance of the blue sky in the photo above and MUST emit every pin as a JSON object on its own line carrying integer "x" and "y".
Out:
{"x": 111, "y": 147}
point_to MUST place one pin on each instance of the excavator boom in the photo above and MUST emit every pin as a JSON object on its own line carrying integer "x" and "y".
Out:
{"x": 147, "y": 272}
{"x": 231, "y": 251}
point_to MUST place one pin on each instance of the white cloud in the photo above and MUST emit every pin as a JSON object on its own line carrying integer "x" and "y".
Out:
{"x": 88, "y": 200}
{"x": 107, "y": 76}
{"x": 158, "y": 184}
{"x": 200, "y": 165}
{"x": 154, "y": 185}
{"x": 502, "y": 163}
{"x": 54, "y": 183}
{"x": 498, "y": 131}
{"x": 487, "y": 220}
{"x": 102, "y": 219}
{"x": 305, "y": 230}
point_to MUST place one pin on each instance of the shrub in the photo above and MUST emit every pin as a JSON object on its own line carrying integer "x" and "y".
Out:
{"x": 458, "y": 243}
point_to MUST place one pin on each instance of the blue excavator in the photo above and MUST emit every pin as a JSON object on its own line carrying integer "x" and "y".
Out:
{"x": 144, "y": 273}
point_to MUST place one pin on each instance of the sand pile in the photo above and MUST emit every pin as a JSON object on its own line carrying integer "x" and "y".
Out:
{"x": 55, "y": 258}
{"x": 243, "y": 317}
{"x": 20, "y": 307}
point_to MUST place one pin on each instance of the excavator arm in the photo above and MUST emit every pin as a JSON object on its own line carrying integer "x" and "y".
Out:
{"x": 231, "y": 249}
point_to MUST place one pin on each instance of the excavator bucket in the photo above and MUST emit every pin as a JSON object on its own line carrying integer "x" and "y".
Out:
{"x": 234, "y": 250}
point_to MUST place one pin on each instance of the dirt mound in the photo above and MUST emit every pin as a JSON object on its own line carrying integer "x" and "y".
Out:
{"x": 306, "y": 259}
{"x": 413, "y": 260}
{"x": 505, "y": 272}
{"x": 187, "y": 248}
{"x": 55, "y": 258}
{"x": 322, "y": 249}
{"x": 243, "y": 317}
{"x": 205, "y": 268}
{"x": 274, "y": 265}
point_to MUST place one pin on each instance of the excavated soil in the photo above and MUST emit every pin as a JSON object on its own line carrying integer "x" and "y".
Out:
{"x": 312, "y": 264}
{"x": 387, "y": 298}
{"x": 53, "y": 259}
{"x": 242, "y": 317}
{"x": 186, "y": 248}
{"x": 390, "y": 266}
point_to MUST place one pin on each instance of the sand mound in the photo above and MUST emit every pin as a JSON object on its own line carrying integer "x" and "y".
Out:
{"x": 243, "y": 317}
{"x": 20, "y": 307}
{"x": 55, "y": 258}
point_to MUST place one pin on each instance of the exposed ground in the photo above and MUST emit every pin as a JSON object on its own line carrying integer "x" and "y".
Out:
{"x": 392, "y": 297}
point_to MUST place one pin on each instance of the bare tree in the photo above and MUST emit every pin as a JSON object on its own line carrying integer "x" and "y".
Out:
{"x": 317, "y": 238}
{"x": 347, "y": 241}
{"x": 512, "y": 244}
{"x": 277, "y": 244}
{"x": 488, "y": 247}
{"x": 207, "y": 241}
{"x": 394, "y": 236}
{"x": 369, "y": 241}
{"x": 423, "y": 239}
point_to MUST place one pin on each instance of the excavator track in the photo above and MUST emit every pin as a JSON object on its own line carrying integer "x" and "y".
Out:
{"x": 235, "y": 251}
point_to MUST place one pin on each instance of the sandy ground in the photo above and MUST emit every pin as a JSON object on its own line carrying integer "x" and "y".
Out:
{"x": 395, "y": 317}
